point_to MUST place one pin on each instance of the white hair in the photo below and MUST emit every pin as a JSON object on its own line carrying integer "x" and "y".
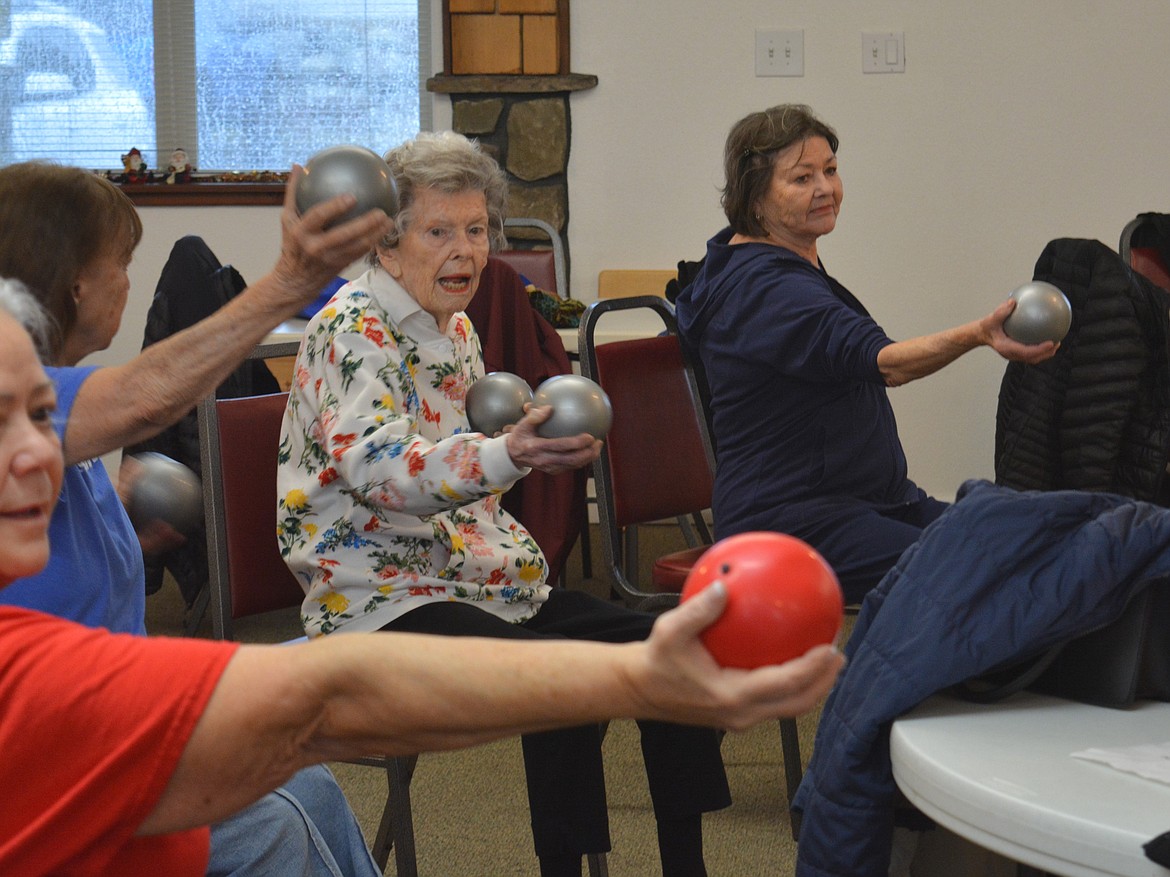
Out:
{"x": 19, "y": 303}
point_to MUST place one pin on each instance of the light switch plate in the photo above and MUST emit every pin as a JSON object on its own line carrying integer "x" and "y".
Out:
{"x": 883, "y": 52}
{"x": 780, "y": 53}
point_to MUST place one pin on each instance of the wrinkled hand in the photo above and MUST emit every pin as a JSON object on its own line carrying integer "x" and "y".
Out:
{"x": 551, "y": 455}
{"x": 1005, "y": 346}
{"x": 680, "y": 679}
{"x": 310, "y": 254}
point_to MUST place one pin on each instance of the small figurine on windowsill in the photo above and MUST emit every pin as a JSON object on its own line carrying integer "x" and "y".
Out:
{"x": 179, "y": 170}
{"x": 134, "y": 168}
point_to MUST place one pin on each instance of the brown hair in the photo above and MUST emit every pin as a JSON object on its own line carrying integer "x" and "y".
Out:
{"x": 55, "y": 222}
{"x": 750, "y": 155}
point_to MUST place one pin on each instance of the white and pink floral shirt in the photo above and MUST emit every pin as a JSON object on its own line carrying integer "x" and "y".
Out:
{"x": 387, "y": 499}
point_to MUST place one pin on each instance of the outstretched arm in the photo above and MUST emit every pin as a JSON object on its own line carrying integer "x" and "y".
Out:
{"x": 279, "y": 708}
{"x": 125, "y": 404}
{"x": 906, "y": 361}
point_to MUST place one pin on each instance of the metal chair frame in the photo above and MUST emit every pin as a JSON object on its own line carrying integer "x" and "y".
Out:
{"x": 621, "y": 544}
{"x": 621, "y": 547}
{"x": 1136, "y": 252}
{"x": 560, "y": 267}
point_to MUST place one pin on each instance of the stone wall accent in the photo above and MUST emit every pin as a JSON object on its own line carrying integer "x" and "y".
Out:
{"x": 538, "y": 138}
{"x": 473, "y": 117}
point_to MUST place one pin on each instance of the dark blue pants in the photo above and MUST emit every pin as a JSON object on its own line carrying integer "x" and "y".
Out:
{"x": 862, "y": 543}
{"x": 566, "y": 782}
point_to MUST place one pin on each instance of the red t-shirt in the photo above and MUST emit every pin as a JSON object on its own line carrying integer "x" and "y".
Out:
{"x": 92, "y": 725}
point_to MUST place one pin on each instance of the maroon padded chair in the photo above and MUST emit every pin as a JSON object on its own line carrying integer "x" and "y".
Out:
{"x": 538, "y": 266}
{"x": 246, "y": 426}
{"x": 247, "y": 575}
{"x": 656, "y": 463}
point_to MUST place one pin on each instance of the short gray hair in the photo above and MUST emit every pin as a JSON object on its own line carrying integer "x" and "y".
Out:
{"x": 22, "y": 306}
{"x": 448, "y": 162}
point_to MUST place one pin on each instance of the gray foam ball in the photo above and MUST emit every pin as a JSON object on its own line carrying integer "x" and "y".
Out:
{"x": 496, "y": 400}
{"x": 579, "y": 405}
{"x": 353, "y": 170}
{"x": 165, "y": 490}
{"x": 1042, "y": 314}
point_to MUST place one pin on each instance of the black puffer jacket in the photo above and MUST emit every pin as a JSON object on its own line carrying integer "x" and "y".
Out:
{"x": 1097, "y": 415}
{"x": 192, "y": 286}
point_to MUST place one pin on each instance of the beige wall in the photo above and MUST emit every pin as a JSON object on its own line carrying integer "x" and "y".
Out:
{"x": 1016, "y": 121}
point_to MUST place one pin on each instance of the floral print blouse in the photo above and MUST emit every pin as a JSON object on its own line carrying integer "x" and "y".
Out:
{"x": 387, "y": 499}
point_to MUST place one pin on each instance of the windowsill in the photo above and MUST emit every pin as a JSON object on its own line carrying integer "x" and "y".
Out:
{"x": 201, "y": 194}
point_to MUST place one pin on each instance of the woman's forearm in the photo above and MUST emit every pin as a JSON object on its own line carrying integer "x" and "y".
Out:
{"x": 280, "y": 708}
{"x": 905, "y": 361}
{"x": 124, "y": 404}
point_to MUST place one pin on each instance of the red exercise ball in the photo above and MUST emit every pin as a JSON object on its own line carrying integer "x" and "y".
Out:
{"x": 782, "y": 599}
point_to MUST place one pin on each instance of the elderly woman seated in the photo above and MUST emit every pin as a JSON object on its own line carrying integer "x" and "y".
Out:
{"x": 389, "y": 508}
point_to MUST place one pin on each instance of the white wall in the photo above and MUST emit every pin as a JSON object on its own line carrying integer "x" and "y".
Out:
{"x": 1016, "y": 121}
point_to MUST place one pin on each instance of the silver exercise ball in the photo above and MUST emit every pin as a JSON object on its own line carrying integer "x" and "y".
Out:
{"x": 1042, "y": 314}
{"x": 165, "y": 490}
{"x": 352, "y": 170}
{"x": 496, "y": 400}
{"x": 578, "y": 404}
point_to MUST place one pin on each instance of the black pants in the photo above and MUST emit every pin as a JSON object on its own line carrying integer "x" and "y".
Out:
{"x": 566, "y": 782}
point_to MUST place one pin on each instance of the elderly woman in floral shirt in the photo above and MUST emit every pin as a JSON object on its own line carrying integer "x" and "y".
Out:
{"x": 389, "y": 506}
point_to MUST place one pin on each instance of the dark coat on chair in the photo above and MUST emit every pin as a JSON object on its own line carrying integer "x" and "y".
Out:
{"x": 1001, "y": 576}
{"x": 192, "y": 286}
{"x": 1097, "y": 415}
{"x": 516, "y": 339}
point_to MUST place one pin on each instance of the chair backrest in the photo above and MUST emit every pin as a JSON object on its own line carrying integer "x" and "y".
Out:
{"x": 239, "y": 438}
{"x": 623, "y": 283}
{"x": 544, "y": 267}
{"x": 1139, "y": 250}
{"x": 657, "y": 461}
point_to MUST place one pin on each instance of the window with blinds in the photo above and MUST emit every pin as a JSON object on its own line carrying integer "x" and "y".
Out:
{"x": 239, "y": 85}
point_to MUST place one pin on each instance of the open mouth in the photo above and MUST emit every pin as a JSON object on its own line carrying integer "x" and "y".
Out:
{"x": 456, "y": 283}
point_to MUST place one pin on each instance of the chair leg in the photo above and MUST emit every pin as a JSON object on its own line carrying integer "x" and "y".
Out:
{"x": 793, "y": 769}
{"x": 197, "y": 611}
{"x": 397, "y": 827}
{"x": 586, "y": 547}
{"x": 597, "y": 865}
{"x": 630, "y": 553}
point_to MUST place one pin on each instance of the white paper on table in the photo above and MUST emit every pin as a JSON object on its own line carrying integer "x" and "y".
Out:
{"x": 1150, "y": 760}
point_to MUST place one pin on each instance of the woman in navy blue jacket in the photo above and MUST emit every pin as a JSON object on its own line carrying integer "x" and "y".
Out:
{"x": 797, "y": 369}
